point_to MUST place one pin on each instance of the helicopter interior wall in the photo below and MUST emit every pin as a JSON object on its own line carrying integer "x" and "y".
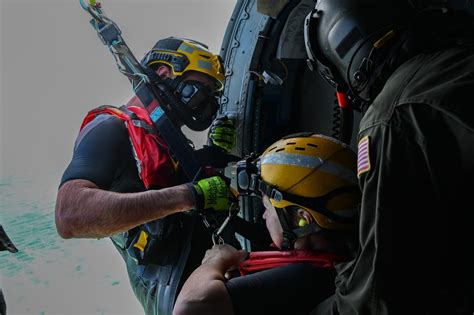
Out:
{"x": 279, "y": 107}
{"x": 318, "y": 108}
{"x": 269, "y": 90}
{"x": 303, "y": 103}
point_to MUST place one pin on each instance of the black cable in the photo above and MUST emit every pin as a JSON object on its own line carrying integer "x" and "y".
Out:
{"x": 336, "y": 121}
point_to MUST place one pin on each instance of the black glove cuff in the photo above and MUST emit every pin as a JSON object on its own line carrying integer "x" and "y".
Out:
{"x": 197, "y": 195}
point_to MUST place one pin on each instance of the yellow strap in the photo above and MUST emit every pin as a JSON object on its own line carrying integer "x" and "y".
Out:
{"x": 142, "y": 241}
{"x": 384, "y": 39}
{"x": 175, "y": 164}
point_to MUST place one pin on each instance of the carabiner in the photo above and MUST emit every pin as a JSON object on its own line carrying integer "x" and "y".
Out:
{"x": 233, "y": 210}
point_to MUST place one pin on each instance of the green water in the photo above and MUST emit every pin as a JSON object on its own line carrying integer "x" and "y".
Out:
{"x": 50, "y": 275}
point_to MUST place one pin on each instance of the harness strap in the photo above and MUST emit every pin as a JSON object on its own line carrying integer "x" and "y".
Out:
{"x": 289, "y": 237}
{"x": 151, "y": 96}
{"x": 259, "y": 261}
{"x": 137, "y": 122}
{"x": 153, "y": 157}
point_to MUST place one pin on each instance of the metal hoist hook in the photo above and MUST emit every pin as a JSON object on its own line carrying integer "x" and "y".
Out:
{"x": 95, "y": 10}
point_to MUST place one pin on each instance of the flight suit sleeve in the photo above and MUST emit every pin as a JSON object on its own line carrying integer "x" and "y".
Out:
{"x": 405, "y": 168}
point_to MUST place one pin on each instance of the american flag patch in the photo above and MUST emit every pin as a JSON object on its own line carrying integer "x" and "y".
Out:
{"x": 363, "y": 161}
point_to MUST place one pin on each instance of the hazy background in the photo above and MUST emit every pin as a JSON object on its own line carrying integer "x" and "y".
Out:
{"x": 53, "y": 70}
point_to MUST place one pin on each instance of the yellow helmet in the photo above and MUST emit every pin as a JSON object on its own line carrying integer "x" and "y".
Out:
{"x": 184, "y": 55}
{"x": 316, "y": 173}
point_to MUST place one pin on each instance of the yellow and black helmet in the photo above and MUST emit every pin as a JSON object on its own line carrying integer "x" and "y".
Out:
{"x": 184, "y": 55}
{"x": 316, "y": 173}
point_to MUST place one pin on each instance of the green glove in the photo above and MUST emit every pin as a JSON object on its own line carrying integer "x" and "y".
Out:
{"x": 223, "y": 133}
{"x": 211, "y": 193}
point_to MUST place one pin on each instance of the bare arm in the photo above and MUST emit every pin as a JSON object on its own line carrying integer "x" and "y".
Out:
{"x": 85, "y": 211}
{"x": 204, "y": 292}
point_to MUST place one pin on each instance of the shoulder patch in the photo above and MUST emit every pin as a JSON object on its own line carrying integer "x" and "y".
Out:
{"x": 363, "y": 159}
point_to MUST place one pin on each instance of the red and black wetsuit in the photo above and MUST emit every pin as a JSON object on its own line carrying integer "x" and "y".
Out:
{"x": 103, "y": 155}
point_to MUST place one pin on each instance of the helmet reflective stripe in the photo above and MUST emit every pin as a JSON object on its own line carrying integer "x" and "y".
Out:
{"x": 313, "y": 172}
{"x": 203, "y": 64}
{"x": 186, "y": 48}
{"x": 312, "y": 162}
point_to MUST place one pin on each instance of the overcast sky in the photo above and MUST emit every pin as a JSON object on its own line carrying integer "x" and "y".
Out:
{"x": 53, "y": 70}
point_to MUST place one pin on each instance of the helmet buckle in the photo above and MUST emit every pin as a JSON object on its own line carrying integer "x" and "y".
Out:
{"x": 253, "y": 182}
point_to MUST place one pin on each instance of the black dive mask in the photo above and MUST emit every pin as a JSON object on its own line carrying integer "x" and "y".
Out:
{"x": 199, "y": 101}
{"x": 189, "y": 102}
{"x": 192, "y": 102}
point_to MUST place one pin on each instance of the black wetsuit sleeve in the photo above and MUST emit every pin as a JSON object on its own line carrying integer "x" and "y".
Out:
{"x": 293, "y": 289}
{"x": 99, "y": 152}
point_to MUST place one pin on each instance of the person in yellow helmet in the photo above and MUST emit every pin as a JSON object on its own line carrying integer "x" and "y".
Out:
{"x": 124, "y": 183}
{"x": 309, "y": 189}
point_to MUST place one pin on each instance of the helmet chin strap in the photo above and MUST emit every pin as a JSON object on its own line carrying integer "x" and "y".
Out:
{"x": 290, "y": 235}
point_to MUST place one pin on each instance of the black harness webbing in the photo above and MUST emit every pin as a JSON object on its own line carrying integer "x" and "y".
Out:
{"x": 146, "y": 91}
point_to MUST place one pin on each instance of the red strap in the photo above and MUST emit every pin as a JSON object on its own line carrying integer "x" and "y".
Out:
{"x": 141, "y": 113}
{"x": 156, "y": 166}
{"x": 106, "y": 109}
{"x": 343, "y": 100}
{"x": 258, "y": 261}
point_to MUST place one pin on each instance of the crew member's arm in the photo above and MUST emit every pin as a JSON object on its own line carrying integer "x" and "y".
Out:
{"x": 85, "y": 206}
{"x": 204, "y": 292}
{"x": 85, "y": 210}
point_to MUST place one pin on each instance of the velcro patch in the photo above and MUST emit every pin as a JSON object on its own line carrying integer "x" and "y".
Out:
{"x": 363, "y": 159}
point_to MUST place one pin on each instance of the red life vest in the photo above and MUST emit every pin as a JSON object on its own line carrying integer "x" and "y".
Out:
{"x": 155, "y": 165}
{"x": 259, "y": 261}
